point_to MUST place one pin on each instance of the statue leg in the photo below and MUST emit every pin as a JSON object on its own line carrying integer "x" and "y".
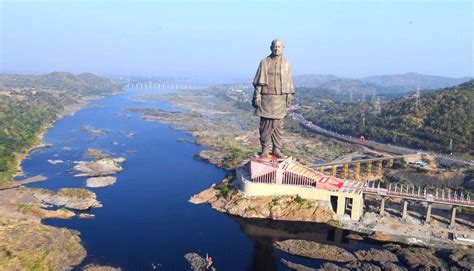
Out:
{"x": 265, "y": 135}
{"x": 277, "y": 137}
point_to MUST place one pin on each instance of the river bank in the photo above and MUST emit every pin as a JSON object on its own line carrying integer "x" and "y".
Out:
{"x": 26, "y": 243}
{"x": 404, "y": 239}
{"x": 228, "y": 133}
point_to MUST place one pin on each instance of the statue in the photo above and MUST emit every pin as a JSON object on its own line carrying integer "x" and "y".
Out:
{"x": 273, "y": 95}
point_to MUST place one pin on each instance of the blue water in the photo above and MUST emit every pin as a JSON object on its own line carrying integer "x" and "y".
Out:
{"x": 146, "y": 219}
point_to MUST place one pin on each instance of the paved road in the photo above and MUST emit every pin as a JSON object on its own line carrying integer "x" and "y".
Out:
{"x": 396, "y": 150}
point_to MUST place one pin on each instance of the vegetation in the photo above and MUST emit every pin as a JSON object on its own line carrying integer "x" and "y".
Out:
{"x": 235, "y": 156}
{"x": 225, "y": 188}
{"x": 299, "y": 200}
{"x": 442, "y": 121}
{"x": 29, "y": 103}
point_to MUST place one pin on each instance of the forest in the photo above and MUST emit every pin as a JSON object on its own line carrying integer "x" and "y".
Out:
{"x": 441, "y": 120}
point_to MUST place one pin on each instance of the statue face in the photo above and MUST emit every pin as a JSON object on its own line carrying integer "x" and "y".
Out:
{"x": 277, "y": 48}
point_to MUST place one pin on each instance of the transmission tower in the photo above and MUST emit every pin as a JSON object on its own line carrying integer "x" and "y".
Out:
{"x": 377, "y": 106}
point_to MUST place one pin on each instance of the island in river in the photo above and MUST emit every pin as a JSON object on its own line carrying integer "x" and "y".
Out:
{"x": 29, "y": 105}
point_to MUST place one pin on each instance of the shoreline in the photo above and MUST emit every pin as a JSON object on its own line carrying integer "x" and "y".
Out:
{"x": 224, "y": 197}
{"x": 24, "y": 209}
{"x": 39, "y": 143}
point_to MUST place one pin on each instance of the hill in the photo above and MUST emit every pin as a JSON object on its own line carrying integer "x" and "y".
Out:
{"x": 442, "y": 120}
{"x": 59, "y": 81}
{"x": 394, "y": 85}
{"x": 407, "y": 82}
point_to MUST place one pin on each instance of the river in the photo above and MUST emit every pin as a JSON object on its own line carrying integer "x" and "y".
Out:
{"x": 146, "y": 221}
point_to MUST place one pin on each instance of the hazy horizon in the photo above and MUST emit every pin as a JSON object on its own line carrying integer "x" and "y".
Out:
{"x": 228, "y": 39}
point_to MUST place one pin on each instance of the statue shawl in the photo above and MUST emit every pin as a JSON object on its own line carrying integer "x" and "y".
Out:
{"x": 261, "y": 77}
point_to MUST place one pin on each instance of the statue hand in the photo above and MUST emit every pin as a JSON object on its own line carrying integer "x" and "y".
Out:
{"x": 289, "y": 99}
{"x": 257, "y": 101}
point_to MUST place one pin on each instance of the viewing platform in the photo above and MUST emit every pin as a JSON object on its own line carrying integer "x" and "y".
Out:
{"x": 280, "y": 177}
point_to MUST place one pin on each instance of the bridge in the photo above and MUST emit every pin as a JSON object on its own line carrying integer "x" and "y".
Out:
{"x": 410, "y": 193}
{"x": 161, "y": 85}
{"x": 355, "y": 166}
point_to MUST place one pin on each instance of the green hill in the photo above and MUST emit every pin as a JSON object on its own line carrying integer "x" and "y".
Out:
{"x": 438, "y": 118}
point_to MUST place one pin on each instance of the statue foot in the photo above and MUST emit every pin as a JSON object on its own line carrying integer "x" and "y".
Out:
{"x": 279, "y": 154}
{"x": 265, "y": 154}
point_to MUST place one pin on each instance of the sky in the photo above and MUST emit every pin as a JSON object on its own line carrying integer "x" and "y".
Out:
{"x": 228, "y": 38}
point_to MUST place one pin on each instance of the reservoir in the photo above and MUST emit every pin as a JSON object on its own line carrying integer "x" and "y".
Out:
{"x": 146, "y": 222}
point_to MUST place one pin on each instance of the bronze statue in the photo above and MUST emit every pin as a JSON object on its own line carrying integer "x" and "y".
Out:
{"x": 273, "y": 95}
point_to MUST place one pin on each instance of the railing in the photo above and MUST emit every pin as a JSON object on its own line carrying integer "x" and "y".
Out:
{"x": 265, "y": 178}
{"x": 295, "y": 179}
{"x": 409, "y": 191}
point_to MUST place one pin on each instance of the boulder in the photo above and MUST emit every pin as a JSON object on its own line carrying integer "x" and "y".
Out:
{"x": 72, "y": 198}
{"x": 100, "y": 167}
{"x": 376, "y": 255}
{"x": 315, "y": 250}
{"x": 96, "y": 182}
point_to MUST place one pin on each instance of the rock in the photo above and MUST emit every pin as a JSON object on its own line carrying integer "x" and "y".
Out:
{"x": 84, "y": 215}
{"x": 464, "y": 258}
{"x": 96, "y": 154}
{"x": 100, "y": 167}
{"x": 355, "y": 236}
{"x": 95, "y": 132}
{"x": 332, "y": 267}
{"x": 295, "y": 266}
{"x": 363, "y": 266}
{"x": 369, "y": 267}
{"x": 73, "y": 198}
{"x": 197, "y": 262}
{"x": 26, "y": 246}
{"x": 315, "y": 250}
{"x": 389, "y": 266}
{"x": 96, "y": 182}
{"x": 376, "y": 255}
{"x": 54, "y": 162}
{"x": 93, "y": 267}
{"x": 416, "y": 258}
{"x": 225, "y": 198}
{"x": 36, "y": 210}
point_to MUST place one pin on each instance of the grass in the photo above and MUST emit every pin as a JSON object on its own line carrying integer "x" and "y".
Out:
{"x": 225, "y": 189}
{"x": 299, "y": 200}
{"x": 76, "y": 193}
{"x": 235, "y": 156}
{"x": 274, "y": 202}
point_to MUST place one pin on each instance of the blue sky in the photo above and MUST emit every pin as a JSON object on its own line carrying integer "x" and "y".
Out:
{"x": 228, "y": 38}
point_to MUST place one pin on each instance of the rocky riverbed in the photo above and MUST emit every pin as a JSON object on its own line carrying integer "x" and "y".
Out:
{"x": 432, "y": 252}
{"x": 231, "y": 133}
{"x": 392, "y": 257}
{"x": 25, "y": 243}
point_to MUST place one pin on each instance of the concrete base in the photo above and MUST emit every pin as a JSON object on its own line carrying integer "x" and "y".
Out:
{"x": 307, "y": 192}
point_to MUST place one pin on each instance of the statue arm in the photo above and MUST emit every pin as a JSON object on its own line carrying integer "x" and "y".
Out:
{"x": 289, "y": 99}
{"x": 257, "y": 97}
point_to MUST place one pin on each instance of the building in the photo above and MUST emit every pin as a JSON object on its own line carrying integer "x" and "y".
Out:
{"x": 260, "y": 177}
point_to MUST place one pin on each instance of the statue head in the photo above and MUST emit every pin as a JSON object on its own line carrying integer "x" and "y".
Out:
{"x": 277, "y": 47}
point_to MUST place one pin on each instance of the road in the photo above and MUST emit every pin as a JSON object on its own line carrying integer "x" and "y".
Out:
{"x": 396, "y": 150}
